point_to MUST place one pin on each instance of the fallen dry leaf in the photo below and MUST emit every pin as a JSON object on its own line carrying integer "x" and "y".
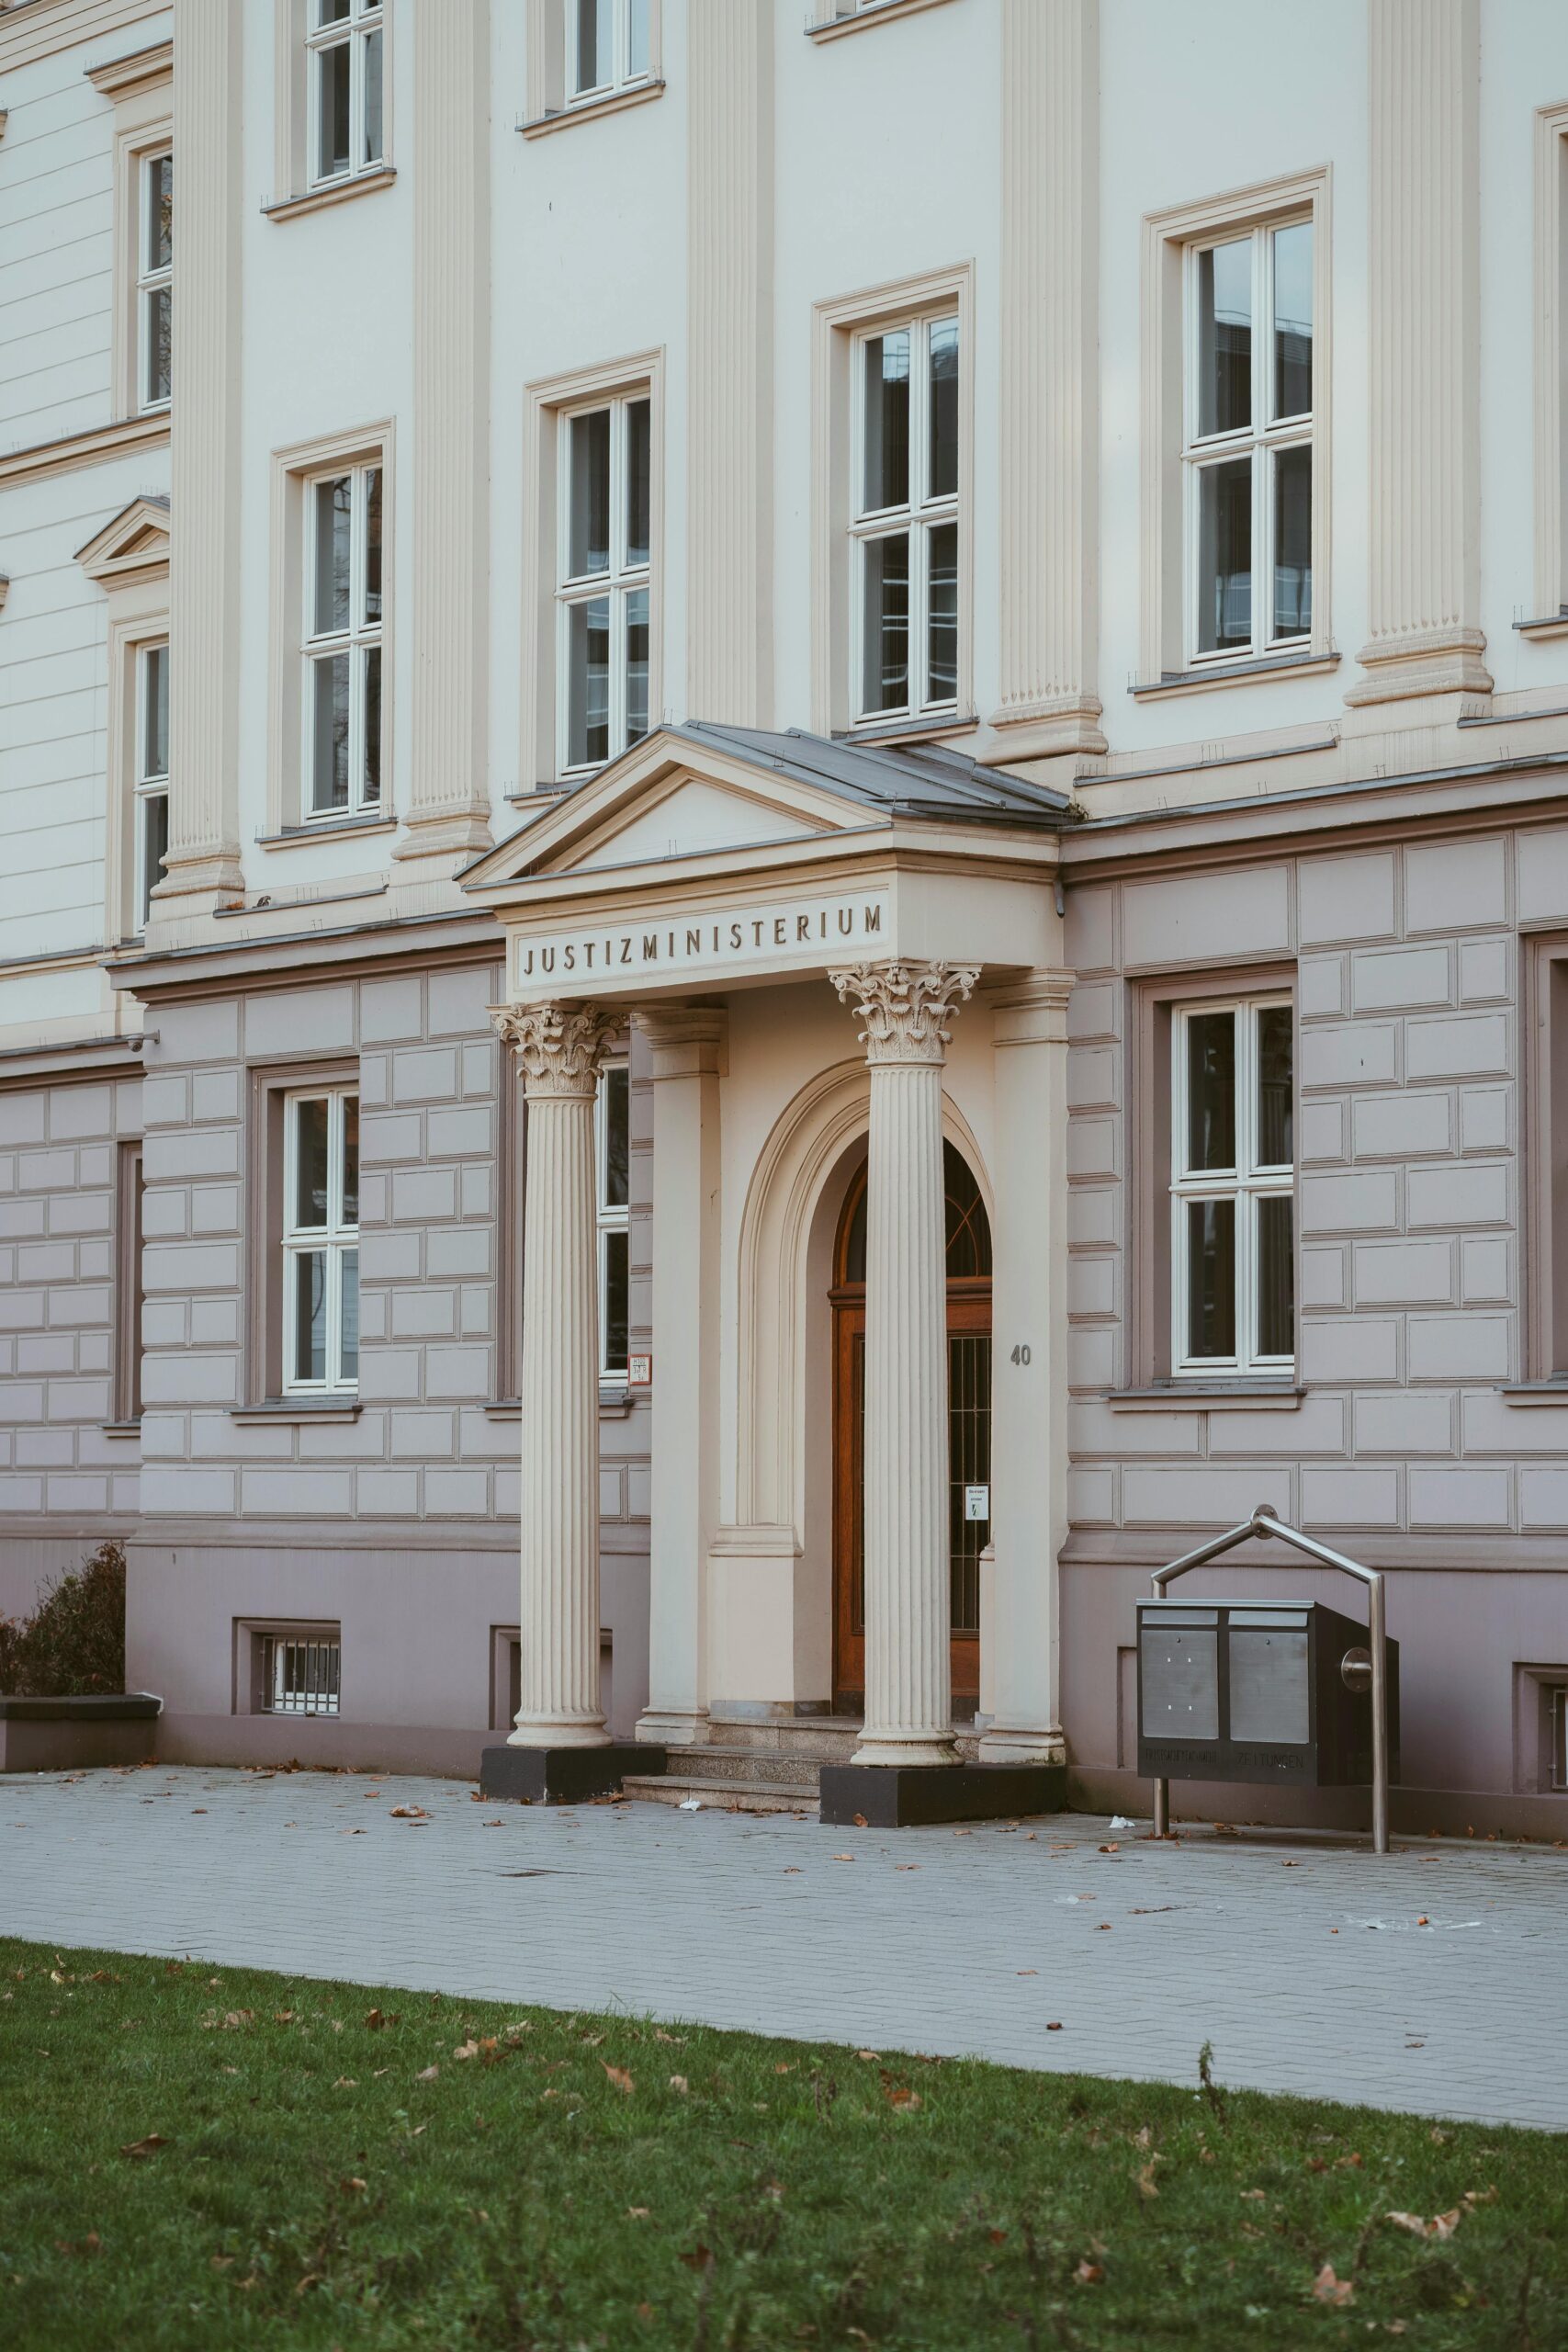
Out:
{"x": 1088, "y": 2274}
{"x": 346, "y": 2082}
{"x": 619, "y": 2078}
{"x": 1481, "y": 2196}
{"x": 843, "y": 1858}
{"x": 1055, "y": 2026}
{"x": 679, "y": 2083}
{"x": 861, "y": 1821}
{"x": 1442, "y": 2225}
{"x": 427, "y": 2075}
{"x": 701, "y": 2257}
{"x": 1327, "y": 2289}
{"x": 1026, "y": 1972}
{"x": 871, "y": 2056}
{"x": 148, "y": 2147}
{"x": 1146, "y": 2179}
{"x": 673, "y": 2039}
{"x": 467, "y": 2050}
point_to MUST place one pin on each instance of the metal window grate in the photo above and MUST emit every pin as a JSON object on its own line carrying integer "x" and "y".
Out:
{"x": 300, "y": 1677}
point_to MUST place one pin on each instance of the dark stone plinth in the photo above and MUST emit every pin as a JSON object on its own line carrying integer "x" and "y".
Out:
{"x": 563, "y": 1775}
{"x": 65, "y": 1734}
{"x": 900, "y": 1796}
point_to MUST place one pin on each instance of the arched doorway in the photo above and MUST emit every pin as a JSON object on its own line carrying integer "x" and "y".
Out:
{"x": 968, "y": 1429}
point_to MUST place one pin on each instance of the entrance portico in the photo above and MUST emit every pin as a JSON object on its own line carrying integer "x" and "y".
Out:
{"x": 737, "y": 900}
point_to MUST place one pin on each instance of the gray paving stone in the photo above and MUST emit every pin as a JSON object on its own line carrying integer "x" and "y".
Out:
{"x": 1305, "y": 1965}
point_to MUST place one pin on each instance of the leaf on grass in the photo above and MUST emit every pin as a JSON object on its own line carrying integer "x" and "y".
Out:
{"x": 236, "y": 2020}
{"x": 639, "y": 2212}
{"x": 619, "y": 2078}
{"x": 148, "y": 2147}
{"x": 701, "y": 2257}
{"x": 376, "y": 2019}
{"x": 427, "y": 2075}
{"x": 354, "y": 2186}
{"x": 347, "y": 2082}
{"x": 871, "y": 2057}
{"x": 1256, "y": 2196}
{"x": 673, "y": 2040}
{"x": 1327, "y": 2289}
{"x": 900, "y": 2097}
{"x": 1442, "y": 2225}
{"x": 679, "y": 2083}
{"x": 282, "y": 2017}
{"x": 465, "y": 2050}
{"x": 1088, "y": 2274}
{"x": 1146, "y": 2179}
{"x": 1474, "y": 2197}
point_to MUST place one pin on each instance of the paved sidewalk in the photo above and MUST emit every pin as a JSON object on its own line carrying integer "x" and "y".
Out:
{"x": 1307, "y": 1966}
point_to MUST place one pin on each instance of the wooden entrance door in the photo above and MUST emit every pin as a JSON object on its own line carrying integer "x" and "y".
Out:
{"x": 969, "y": 1433}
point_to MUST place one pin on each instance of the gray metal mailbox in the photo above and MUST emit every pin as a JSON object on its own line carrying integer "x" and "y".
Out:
{"x": 1275, "y": 1692}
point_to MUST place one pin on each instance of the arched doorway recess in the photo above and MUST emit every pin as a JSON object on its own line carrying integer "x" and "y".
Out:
{"x": 968, "y": 1429}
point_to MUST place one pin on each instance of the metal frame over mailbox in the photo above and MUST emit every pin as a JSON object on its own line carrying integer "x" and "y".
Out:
{"x": 1264, "y": 1524}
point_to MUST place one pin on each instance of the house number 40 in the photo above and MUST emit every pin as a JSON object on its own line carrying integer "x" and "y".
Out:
{"x": 1020, "y": 1355}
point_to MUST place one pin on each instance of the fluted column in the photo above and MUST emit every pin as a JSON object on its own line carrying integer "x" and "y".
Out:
{"x": 561, "y": 1048}
{"x": 1423, "y": 446}
{"x": 908, "y": 1609}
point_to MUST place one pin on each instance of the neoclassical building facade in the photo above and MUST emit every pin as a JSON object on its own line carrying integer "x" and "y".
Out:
{"x": 783, "y": 868}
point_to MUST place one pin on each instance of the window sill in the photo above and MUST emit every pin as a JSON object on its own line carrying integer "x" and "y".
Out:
{"x": 615, "y": 1404}
{"x": 1535, "y": 1392}
{"x": 614, "y": 102}
{"x": 296, "y": 1408}
{"x": 886, "y": 12}
{"x": 1549, "y": 625}
{"x": 317, "y": 200}
{"x": 1208, "y": 1397}
{"x": 120, "y": 1429}
{"x": 911, "y": 730}
{"x": 328, "y": 829}
{"x": 1242, "y": 673}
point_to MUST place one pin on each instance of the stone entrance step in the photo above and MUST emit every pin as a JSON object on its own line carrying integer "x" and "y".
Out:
{"x": 755, "y": 1766}
{"x": 722, "y": 1796}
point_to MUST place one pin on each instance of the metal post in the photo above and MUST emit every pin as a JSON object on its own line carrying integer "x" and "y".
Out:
{"x": 1264, "y": 1524}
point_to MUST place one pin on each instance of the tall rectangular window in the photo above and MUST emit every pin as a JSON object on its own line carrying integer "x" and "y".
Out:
{"x": 343, "y": 643}
{"x": 320, "y": 1242}
{"x": 345, "y": 131}
{"x": 1232, "y": 1188}
{"x": 604, "y": 580}
{"x": 151, "y": 814}
{"x": 607, "y": 48}
{"x": 1247, "y": 442}
{"x": 904, "y": 521}
{"x": 612, "y": 1160}
{"x": 154, "y": 280}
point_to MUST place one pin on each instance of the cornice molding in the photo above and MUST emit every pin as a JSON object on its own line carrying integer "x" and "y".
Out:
{"x": 45, "y": 26}
{"x": 144, "y": 69}
{"x": 93, "y": 447}
{"x": 131, "y": 549}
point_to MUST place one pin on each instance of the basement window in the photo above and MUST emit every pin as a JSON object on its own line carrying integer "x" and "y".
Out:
{"x": 299, "y": 1673}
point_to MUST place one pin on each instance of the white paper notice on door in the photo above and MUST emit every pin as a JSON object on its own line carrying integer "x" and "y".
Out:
{"x": 977, "y": 1502}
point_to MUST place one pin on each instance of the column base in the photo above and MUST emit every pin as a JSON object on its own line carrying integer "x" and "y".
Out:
{"x": 901, "y": 1796}
{"x": 673, "y": 1726}
{"x": 916, "y": 1755}
{"x": 1001, "y": 1744}
{"x": 563, "y": 1775}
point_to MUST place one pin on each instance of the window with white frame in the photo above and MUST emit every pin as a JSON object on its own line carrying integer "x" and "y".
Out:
{"x": 346, "y": 129}
{"x": 343, "y": 643}
{"x": 154, "y": 279}
{"x": 320, "y": 1242}
{"x": 904, "y": 524}
{"x": 299, "y": 1673}
{"x": 150, "y": 781}
{"x": 604, "y": 580}
{"x": 609, "y": 48}
{"x": 613, "y": 1161}
{"x": 1247, "y": 442}
{"x": 1233, "y": 1187}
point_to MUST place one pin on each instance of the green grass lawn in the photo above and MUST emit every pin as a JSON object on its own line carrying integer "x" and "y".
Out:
{"x": 202, "y": 2157}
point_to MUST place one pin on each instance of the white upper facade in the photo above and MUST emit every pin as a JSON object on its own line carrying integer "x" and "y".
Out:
{"x": 511, "y": 417}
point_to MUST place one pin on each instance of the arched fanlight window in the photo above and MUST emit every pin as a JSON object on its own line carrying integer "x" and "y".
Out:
{"x": 969, "y": 1226}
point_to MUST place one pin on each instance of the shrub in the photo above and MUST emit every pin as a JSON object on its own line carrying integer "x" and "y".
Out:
{"x": 73, "y": 1643}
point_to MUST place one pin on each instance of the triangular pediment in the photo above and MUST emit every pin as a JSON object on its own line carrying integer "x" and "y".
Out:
{"x": 668, "y": 800}
{"x": 135, "y": 545}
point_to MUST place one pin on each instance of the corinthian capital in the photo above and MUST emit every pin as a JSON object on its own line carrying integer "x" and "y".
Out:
{"x": 561, "y": 1046}
{"x": 907, "y": 1008}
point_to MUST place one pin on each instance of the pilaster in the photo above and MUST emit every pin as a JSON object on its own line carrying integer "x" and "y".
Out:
{"x": 448, "y": 812}
{"x": 1029, "y": 1379}
{"x": 201, "y": 867}
{"x": 730, "y": 203}
{"x": 1423, "y": 313}
{"x": 1048, "y": 417}
{"x": 687, "y": 1054}
{"x": 908, "y": 1009}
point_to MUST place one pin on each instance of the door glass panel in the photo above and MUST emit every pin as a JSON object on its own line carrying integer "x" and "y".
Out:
{"x": 968, "y": 1464}
{"x": 1210, "y": 1090}
{"x": 616, "y": 1247}
{"x": 969, "y": 1226}
{"x": 1225, "y": 337}
{"x": 1210, "y": 1278}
